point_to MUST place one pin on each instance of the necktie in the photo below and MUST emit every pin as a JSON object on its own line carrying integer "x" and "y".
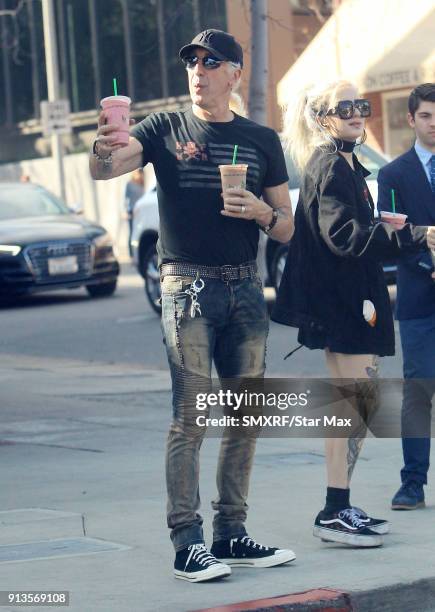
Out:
{"x": 432, "y": 172}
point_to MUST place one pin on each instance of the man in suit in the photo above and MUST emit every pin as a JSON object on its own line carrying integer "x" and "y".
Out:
{"x": 412, "y": 176}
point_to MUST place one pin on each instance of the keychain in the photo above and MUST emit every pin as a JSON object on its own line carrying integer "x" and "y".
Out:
{"x": 196, "y": 287}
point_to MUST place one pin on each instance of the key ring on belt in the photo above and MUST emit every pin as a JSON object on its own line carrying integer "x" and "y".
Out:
{"x": 196, "y": 287}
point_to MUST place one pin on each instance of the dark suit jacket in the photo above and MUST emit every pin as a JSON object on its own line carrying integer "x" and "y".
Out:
{"x": 414, "y": 197}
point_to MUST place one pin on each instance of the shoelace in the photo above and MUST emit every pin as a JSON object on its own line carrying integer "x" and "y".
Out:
{"x": 201, "y": 555}
{"x": 352, "y": 516}
{"x": 250, "y": 542}
{"x": 360, "y": 512}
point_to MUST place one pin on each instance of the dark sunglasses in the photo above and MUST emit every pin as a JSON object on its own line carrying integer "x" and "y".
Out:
{"x": 209, "y": 62}
{"x": 345, "y": 109}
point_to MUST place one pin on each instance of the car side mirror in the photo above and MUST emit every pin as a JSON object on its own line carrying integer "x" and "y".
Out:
{"x": 76, "y": 208}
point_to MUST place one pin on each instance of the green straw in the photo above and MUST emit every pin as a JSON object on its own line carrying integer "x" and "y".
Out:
{"x": 235, "y": 154}
{"x": 115, "y": 88}
{"x": 393, "y": 201}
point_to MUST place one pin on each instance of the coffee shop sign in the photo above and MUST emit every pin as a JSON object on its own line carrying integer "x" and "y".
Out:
{"x": 398, "y": 78}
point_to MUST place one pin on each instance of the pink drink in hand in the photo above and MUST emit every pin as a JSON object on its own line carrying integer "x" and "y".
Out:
{"x": 117, "y": 110}
{"x": 397, "y": 220}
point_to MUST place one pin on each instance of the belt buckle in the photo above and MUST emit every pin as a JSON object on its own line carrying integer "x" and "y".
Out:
{"x": 226, "y": 273}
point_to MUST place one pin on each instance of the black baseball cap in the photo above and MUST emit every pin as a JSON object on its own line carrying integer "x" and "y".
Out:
{"x": 221, "y": 44}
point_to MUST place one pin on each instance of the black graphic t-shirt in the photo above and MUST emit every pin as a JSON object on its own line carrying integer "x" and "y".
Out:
{"x": 186, "y": 153}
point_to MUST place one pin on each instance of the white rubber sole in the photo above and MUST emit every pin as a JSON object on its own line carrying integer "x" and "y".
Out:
{"x": 362, "y": 541}
{"x": 381, "y": 529}
{"x": 280, "y": 557}
{"x": 217, "y": 571}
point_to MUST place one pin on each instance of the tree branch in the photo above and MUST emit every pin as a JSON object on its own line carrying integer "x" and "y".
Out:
{"x": 12, "y": 12}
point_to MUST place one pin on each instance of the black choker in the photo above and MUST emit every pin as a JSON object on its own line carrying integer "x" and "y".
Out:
{"x": 346, "y": 146}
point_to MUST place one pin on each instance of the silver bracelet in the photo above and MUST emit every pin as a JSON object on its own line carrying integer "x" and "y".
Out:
{"x": 107, "y": 161}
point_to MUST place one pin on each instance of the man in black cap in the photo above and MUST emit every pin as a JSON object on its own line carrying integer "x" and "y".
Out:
{"x": 213, "y": 307}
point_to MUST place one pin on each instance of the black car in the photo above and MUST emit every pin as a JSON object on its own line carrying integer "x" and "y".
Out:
{"x": 45, "y": 246}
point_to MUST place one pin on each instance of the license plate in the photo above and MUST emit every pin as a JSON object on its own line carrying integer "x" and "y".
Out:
{"x": 63, "y": 265}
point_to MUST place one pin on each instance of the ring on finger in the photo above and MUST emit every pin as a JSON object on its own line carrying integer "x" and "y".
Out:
{"x": 243, "y": 208}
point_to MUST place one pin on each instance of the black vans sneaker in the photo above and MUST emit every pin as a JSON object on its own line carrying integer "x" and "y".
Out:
{"x": 246, "y": 552}
{"x": 380, "y": 526}
{"x": 196, "y": 564}
{"x": 345, "y": 527}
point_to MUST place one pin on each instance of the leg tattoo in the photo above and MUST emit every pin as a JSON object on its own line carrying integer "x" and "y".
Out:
{"x": 366, "y": 395}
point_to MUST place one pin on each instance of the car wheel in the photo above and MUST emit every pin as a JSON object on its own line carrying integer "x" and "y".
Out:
{"x": 103, "y": 290}
{"x": 151, "y": 274}
{"x": 278, "y": 264}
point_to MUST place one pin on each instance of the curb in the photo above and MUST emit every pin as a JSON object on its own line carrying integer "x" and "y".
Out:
{"x": 406, "y": 597}
{"x": 324, "y": 600}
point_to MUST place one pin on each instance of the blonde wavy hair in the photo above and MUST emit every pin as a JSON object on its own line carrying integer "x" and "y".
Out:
{"x": 305, "y": 126}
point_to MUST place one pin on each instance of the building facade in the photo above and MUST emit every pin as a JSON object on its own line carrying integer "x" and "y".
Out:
{"x": 385, "y": 47}
{"x": 137, "y": 42}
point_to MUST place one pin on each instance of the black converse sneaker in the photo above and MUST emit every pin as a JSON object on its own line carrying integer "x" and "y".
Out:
{"x": 196, "y": 564}
{"x": 246, "y": 552}
{"x": 345, "y": 527}
{"x": 380, "y": 526}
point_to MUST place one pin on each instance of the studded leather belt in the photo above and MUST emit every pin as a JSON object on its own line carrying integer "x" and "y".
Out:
{"x": 224, "y": 273}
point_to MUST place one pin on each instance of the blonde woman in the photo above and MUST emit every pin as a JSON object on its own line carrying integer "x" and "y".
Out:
{"x": 333, "y": 287}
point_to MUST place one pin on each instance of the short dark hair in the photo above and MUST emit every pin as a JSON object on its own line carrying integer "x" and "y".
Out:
{"x": 422, "y": 93}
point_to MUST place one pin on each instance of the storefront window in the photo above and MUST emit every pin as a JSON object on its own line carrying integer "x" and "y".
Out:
{"x": 399, "y": 136}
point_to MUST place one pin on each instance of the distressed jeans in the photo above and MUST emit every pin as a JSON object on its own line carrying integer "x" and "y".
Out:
{"x": 231, "y": 331}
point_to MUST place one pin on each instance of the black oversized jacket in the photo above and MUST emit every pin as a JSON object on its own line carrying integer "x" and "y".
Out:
{"x": 334, "y": 260}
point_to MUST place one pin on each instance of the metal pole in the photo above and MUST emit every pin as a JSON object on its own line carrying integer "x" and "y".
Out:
{"x": 73, "y": 57}
{"x": 128, "y": 49}
{"x": 196, "y": 16}
{"x": 35, "y": 63}
{"x": 50, "y": 45}
{"x": 162, "y": 48}
{"x": 64, "y": 80}
{"x": 6, "y": 71}
{"x": 259, "y": 58}
{"x": 95, "y": 51}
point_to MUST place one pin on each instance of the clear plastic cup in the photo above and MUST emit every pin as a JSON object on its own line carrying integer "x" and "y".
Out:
{"x": 233, "y": 176}
{"x": 117, "y": 109}
{"x": 397, "y": 220}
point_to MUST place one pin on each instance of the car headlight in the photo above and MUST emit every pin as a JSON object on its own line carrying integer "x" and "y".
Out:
{"x": 9, "y": 249}
{"x": 104, "y": 240}
{"x": 104, "y": 245}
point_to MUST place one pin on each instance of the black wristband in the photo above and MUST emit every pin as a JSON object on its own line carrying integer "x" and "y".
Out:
{"x": 266, "y": 228}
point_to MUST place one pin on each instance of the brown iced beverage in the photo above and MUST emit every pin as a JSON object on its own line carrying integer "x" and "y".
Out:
{"x": 233, "y": 176}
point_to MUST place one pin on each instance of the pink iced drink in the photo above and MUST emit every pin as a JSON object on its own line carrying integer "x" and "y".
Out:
{"x": 117, "y": 110}
{"x": 397, "y": 220}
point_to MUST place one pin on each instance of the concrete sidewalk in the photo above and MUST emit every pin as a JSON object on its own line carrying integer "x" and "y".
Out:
{"x": 83, "y": 502}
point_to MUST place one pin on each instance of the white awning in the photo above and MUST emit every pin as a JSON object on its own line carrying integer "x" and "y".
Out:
{"x": 376, "y": 44}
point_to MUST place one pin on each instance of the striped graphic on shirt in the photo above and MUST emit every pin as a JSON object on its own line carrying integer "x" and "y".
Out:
{"x": 204, "y": 173}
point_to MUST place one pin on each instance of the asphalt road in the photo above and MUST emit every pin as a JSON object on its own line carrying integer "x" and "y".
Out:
{"x": 85, "y": 401}
{"x": 123, "y": 329}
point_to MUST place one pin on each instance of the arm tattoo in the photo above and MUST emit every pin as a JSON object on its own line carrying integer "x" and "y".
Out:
{"x": 281, "y": 213}
{"x": 104, "y": 170}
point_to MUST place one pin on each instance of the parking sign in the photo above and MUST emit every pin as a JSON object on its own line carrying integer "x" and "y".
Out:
{"x": 55, "y": 117}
